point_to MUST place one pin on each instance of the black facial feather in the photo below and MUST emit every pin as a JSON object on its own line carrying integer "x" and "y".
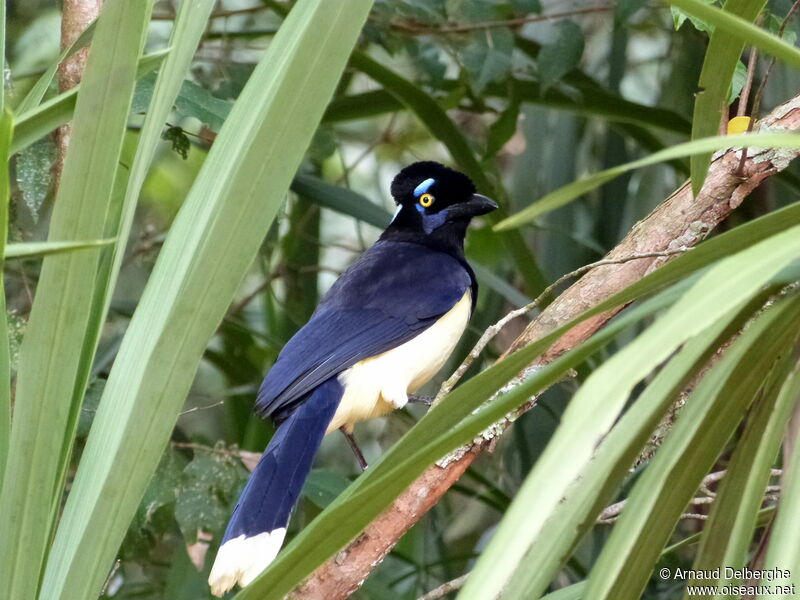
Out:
{"x": 450, "y": 186}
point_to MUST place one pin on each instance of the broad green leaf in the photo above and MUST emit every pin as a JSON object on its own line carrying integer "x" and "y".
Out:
{"x": 37, "y": 249}
{"x": 699, "y": 435}
{"x": 34, "y": 173}
{"x": 39, "y": 89}
{"x": 487, "y": 57}
{"x": 783, "y": 551}
{"x": 741, "y": 29}
{"x": 6, "y": 134}
{"x": 571, "y": 191}
{"x": 679, "y": 18}
{"x": 714, "y": 86}
{"x": 434, "y": 117}
{"x": 774, "y": 23}
{"x": 560, "y": 56}
{"x": 428, "y": 59}
{"x": 728, "y": 533}
{"x": 602, "y": 476}
{"x": 207, "y": 493}
{"x": 584, "y": 424}
{"x": 44, "y": 118}
{"x": 163, "y": 487}
{"x": 189, "y": 27}
{"x": 323, "y": 486}
{"x": 49, "y": 388}
{"x": 214, "y": 238}
{"x": 195, "y": 101}
{"x": 737, "y": 82}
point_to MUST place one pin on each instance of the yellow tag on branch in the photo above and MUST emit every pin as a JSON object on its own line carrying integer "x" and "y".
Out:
{"x": 738, "y": 125}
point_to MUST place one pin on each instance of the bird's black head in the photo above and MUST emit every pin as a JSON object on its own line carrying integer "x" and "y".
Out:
{"x": 435, "y": 204}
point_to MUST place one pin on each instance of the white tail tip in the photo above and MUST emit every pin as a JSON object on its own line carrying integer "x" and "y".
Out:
{"x": 241, "y": 559}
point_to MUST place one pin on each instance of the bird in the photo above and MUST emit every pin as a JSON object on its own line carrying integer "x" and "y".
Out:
{"x": 385, "y": 327}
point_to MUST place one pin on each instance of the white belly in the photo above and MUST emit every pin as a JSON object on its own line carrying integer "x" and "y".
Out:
{"x": 378, "y": 385}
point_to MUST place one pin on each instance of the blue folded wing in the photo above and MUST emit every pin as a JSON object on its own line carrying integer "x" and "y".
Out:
{"x": 392, "y": 293}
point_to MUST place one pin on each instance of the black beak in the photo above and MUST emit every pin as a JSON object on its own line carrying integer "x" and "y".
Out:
{"x": 481, "y": 204}
{"x": 475, "y": 206}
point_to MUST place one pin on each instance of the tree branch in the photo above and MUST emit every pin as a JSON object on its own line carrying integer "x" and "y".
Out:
{"x": 680, "y": 221}
{"x": 77, "y": 15}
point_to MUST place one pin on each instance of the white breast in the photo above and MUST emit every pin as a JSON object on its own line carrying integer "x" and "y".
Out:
{"x": 378, "y": 385}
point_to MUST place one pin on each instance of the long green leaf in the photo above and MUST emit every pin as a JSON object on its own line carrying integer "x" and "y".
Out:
{"x": 603, "y": 475}
{"x": 40, "y": 120}
{"x": 577, "y": 590}
{"x": 728, "y": 532}
{"x": 584, "y": 423}
{"x": 722, "y": 55}
{"x": 187, "y": 30}
{"x": 39, "y": 89}
{"x": 214, "y": 239}
{"x": 699, "y": 435}
{"x": 39, "y": 249}
{"x": 6, "y": 134}
{"x": 574, "y": 190}
{"x": 51, "y": 353}
{"x": 594, "y": 100}
{"x": 783, "y": 551}
{"x": 742, "y": 29}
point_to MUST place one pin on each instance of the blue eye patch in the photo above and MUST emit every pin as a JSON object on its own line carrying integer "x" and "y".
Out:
{"x": 423, "y": 187}
{"x": 434, "y": 221}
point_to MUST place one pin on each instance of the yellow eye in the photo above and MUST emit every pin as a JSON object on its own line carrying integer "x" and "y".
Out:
{"x": 426, "y": 200}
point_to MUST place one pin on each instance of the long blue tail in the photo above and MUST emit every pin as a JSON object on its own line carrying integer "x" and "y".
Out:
{"x": 258, "y": 525}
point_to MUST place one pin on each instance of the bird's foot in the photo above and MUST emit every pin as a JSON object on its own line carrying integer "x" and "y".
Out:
{"x": 351, "y": 440}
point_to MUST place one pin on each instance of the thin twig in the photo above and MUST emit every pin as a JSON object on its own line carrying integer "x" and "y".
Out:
{"x": 199, "y": 408}
{"x": 612, "y": 512}
{"x": 763, "y": 84}
{"x": 417, "y": 30}
{"x": 744, "y": 96}
{"x": 493, "y": 330}
{"x": 445, "y": 588}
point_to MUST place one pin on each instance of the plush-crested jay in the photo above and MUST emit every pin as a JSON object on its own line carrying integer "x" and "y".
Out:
{"x": 383, "y": 330}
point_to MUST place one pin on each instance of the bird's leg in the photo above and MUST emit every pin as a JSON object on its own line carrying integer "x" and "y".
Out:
{"x": 424, "y": 400}
{"x": 362, "y": 462}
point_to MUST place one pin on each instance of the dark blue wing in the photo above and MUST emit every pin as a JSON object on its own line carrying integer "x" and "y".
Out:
{"x": 388, "y": 296}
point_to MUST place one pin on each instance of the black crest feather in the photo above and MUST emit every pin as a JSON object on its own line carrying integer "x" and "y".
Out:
{"x": 457, "y": 184}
